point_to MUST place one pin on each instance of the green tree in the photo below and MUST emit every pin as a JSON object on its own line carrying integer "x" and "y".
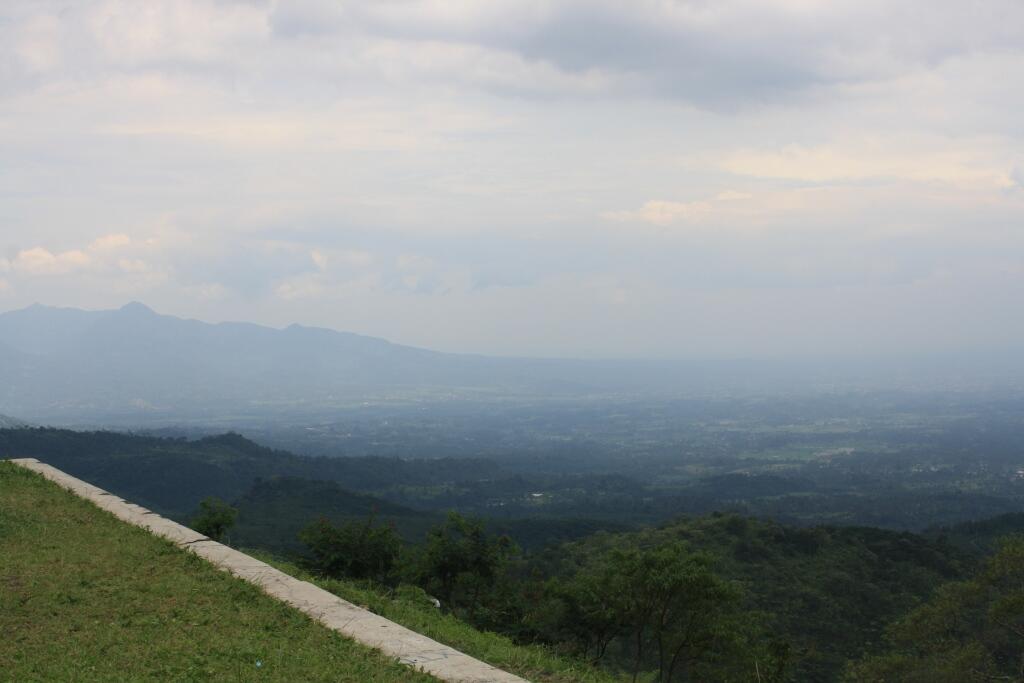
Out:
{"x": 662, "y": 607}
{"x": 357, "y": 550}
{"x": 584, "y": 612}
{"x": 968, "y": 631}
{"x": 461, "y": 562}
{"x": 677, "y": 609}
{"x": 214, "y": 518}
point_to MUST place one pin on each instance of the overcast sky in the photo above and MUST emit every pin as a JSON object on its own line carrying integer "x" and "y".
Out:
{"x": 704, "y": 178}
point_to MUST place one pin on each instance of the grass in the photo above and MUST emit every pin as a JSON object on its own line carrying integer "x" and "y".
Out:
{"x": 86, "y": 597}
{"x": 408, "y": 607}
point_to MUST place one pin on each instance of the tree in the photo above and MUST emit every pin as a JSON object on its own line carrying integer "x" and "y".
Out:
{"x": 663, "y": 607}
{"x": 214, "y": 518}
{"x": 968, "y": 631}
{"x": 460, "y": 562}
{"x": 584, "y": 611}
{"x": 357, "y": 550}
{"x": 676, "y": 608}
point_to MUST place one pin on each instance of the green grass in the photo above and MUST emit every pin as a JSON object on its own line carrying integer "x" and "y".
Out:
{"x": 86, "y": 597}
{"x": 533, "y": 662}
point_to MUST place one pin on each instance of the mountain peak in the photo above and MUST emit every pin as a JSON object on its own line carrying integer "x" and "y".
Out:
{"x": 137, "y": 308}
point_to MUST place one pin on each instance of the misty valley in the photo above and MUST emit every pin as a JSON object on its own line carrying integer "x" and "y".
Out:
{"x": 605, "y": 520}
{"x": 815, "y": 529}
{"x": 897, "y": 461}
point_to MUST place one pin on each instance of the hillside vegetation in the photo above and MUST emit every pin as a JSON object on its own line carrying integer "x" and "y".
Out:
{"x": 414, "y": 609}
{"x": 565, "y": 596}
{"x": 171, "y": 476}
{"x": 277, "y": 492}
{"x": 826, "y": 592}
{"x": 86, "y": 597}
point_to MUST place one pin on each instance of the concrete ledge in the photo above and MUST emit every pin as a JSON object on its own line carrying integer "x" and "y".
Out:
{"x": 340, "y": 615}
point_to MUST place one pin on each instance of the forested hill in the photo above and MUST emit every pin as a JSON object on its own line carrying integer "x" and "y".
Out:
{"x": 277, "y": 492}
{"x": 171, "y": 476}
{"x": 827, "y": 592}
{"x": 824, "y": 592}
{"x": 983, "y": 535}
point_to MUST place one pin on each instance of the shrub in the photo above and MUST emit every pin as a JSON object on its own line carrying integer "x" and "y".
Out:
{"x": 356, "y": 550}
{"x": 214, "y": 518}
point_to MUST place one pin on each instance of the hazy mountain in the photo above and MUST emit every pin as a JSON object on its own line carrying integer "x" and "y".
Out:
{"x": 64, "y": 364}
{"x": 45, "y": 330}
{"x": 7, "y": 422}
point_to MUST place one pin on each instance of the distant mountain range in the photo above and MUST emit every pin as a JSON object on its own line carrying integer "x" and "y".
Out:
{"x": 70, "y": 364}
{"x": 133, "y": 364}
{"x": 10, "y": 423}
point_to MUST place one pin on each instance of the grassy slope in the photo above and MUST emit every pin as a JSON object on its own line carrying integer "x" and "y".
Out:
{"x": 86, "y": 597}
{"x": 533, "y": 662}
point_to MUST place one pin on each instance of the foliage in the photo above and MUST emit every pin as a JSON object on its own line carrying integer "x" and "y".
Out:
{"x": 983, "y": 535}
{"x": 277, "y": 493}
{"x": 461, "y": 563}
{"x": 969, "y": 631}
{"x": 412, "y": 607}
{"x": 824, "y": 593}
{"x": 172, "y": 475}
{"x": 214, "y": 518}
{"x": 275, "y": 512}
{"x": 672, "y": 602}
{"x": 659, "y": 607}
{"x": 357, "y": 550}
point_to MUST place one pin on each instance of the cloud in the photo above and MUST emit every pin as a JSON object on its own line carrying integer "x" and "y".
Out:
{"x": 39, "y": 261}
{"x": 246, "y": 132}
{"x": 871, "y": 159}
{"x": 319, "y": 259}
{"x": 684, "y": 50}
{"x": 327, "y": 259}
{"x": 659, "y": 212}
{"x": 414, "y": 262}
{"x": 1017, "y": 176}
{"x": 729, "y": 54}
{"x": 207, "y": 291}
{"x": 665, "y": 213}
{"x": 391, "y": 164}
{"x": 113, "y": 241}
{"x": 100, "y": 253}
{"x": 721, "y": 54}
{"x": 186, "y": 31}
{"x": 133, "y": 265}
{"x": 38, "y": 45}
{"x": 322, "y": 288}
{"x": 298, "y": 288}
{"x": 352, "y": 257}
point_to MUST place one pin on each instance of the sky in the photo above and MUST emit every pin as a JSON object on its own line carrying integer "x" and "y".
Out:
{"x": 665, "y": 179}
